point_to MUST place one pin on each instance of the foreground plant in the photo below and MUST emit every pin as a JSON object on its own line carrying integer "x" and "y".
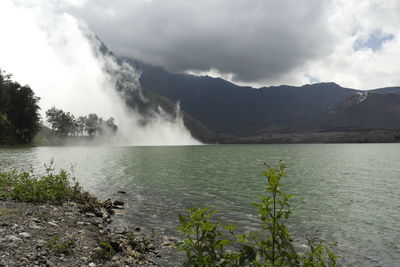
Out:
{"x": 52, "y": 187}
{"x": 210, "y": 243}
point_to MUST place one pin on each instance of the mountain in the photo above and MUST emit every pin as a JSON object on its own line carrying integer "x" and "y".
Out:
{"x": 362, "y": 111}
{"x": 147, "y": 102}
{"x": 231, "y": 113}
{"x": 386, "y": 90}
{"x": 229, "y": 109}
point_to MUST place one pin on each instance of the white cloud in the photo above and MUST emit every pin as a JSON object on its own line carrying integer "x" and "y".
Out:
{"x": 363, "y": 68}
{"x": 250, "y": 40}
{"x": 59, "y": 58}
{"x": 255, "y": 42}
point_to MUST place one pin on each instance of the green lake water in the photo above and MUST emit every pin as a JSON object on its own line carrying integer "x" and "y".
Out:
{"x": 350, "y": 192}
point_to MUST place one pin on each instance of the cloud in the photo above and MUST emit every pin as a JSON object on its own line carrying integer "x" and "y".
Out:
{"x": 59, "y": 57}
{"x": 248, "y": 40}
{"x": 254, "y": 42}
{"x": 374, "y": 28}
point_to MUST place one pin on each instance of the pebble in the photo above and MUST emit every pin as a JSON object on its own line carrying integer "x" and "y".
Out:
{"x": 25, "y": 234}
{"x": 14, "y": 238}
{"x": 53, "y": 224}
{"x": 118, "y": 203}
{"x": 90, "y": 214}
{"x": 34, "y": 226}
{"x": 28, "y": 241}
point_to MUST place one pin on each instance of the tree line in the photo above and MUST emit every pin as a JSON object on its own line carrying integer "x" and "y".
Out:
{"x": 65, "y": 124}
{"x": 20, "y": 120}
{"x": 19, "y": 112}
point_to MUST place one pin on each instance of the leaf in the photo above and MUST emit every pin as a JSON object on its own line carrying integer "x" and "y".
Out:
{"x": 225, "y": 242}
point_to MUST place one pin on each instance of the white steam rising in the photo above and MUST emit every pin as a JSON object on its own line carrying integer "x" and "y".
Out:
{"x": 60, "y": 59}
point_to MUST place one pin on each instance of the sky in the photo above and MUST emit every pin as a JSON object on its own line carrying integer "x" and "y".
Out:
{"x": 250, "y": 42}
{"x": 256, "y": 42}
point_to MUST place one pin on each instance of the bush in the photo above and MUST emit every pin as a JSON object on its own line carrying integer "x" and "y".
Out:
{"x": 60, "y": 247}
{"x": 105, "y": 251}
{"x": 52, "y": 187}
{"x": 210, "y": 243}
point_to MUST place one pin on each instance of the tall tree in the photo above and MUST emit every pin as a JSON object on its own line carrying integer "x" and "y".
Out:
{"x": 92, "y": 124}
{"x": 19, "y": 110}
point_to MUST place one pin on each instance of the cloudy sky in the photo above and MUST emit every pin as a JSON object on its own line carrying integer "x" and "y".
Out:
{"x": 256, "y": 42}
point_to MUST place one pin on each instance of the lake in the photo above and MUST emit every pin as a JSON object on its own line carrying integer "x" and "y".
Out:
{"x": 350, "y": 192}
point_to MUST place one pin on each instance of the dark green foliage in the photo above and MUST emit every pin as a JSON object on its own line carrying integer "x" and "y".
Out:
{"x": 64, "y": 124}
{"x": 210, "y": 243}
{"x": 105, "y": 251}
{"x": 204, "y": 244}
{"x": 57, "y": 246}
{"x": 52, "y": 187}
{"x": 19, "y": 116}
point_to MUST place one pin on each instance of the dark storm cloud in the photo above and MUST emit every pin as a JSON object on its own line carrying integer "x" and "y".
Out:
{"x": 255, "y": 40}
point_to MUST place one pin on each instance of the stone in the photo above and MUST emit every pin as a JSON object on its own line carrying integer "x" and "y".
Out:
{"x": 36, "y": 220}
{"x": 35, "y": 226}
{"x": 13, "y": 238}
{"x": 151, "y": 246}
{"x": 167, "y": 244}
{"x": 98, "y": 213}
{"x": 119, "y": 230}
{"x": 53, "y": 224}
{"x": 97, "y": 221}
{"x": 25, "y": 234}
{"x": 118, "y": 203}
{"x": 92, "y": 264}
{"x": 90, "y": 214}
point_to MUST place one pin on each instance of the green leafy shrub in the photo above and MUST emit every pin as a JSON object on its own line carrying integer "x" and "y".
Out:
{"x": 60, "y": 247}
{"x": 210, "y": 243}
{"x": 52, "y": 187}
{"x": 105, "y": 251}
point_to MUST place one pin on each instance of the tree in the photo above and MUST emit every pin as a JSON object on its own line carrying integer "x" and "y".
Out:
{"x": 62, "y": 123}
{"x": 111, "y": 125}
{"x": 92, "y": 124}
{"x": 19, "y": 110}
{"x": 80, "y": 123}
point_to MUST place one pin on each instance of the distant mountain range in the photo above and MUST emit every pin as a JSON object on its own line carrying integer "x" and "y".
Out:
{"x": 225, "y": 111}
{"x": 361, "y": 111}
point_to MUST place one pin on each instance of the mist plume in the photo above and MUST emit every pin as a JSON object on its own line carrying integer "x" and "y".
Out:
{"x": 68, "y": 67}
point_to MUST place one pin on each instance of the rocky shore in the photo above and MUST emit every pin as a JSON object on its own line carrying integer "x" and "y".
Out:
{"x": 64, "y": 235}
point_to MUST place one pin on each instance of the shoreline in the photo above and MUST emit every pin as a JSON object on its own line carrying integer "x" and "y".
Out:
{"x": 50, "y": 235}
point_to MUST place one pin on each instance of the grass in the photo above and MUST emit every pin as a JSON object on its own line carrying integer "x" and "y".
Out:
{"x": 105, "y": 251}
{"x": 52, "y": 187}
{"x": 57, "y": 246}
